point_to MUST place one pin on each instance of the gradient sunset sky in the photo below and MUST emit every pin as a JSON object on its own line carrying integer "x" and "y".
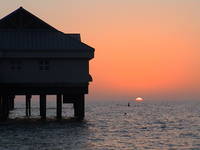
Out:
{"x": 146, "y": 48}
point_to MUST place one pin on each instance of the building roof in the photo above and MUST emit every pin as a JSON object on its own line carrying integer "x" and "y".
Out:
{"x": 40, "y": 40}
{"x": 23, "y": 30}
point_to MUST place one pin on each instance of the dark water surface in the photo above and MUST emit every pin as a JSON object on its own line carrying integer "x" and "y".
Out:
{"x": 108, "y": 126}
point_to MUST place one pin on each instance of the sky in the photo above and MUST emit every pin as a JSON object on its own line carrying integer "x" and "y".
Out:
{"x": 144, "y": 48}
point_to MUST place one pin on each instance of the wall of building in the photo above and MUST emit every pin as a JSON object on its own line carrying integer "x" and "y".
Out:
{"x": 59, "y": 71}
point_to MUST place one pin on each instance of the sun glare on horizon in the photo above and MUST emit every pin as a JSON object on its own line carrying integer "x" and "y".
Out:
{"x": 139, "y": 99}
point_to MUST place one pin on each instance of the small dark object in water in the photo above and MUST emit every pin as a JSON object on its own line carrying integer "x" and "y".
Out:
{"x": 125, "y": 114}
{"x": 128, "y": 104}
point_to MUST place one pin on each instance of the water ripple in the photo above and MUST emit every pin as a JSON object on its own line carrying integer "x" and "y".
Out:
{"x": 108, "y": 126}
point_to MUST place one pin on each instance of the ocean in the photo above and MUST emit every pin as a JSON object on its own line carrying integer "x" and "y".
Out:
{"x": 108, "y": 125}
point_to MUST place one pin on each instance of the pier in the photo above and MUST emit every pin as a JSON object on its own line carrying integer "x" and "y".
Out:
{"x": 38, "y": 59}
{"x": 7, "y": 105}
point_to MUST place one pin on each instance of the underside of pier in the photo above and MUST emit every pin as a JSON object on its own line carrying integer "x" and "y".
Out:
{"x": 64, "y": 94}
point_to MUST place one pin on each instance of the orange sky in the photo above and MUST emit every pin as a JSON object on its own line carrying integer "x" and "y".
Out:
{"x": 143, "y": 48}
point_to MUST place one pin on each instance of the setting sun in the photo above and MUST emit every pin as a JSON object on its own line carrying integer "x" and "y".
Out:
{"x": 139, "y": 99}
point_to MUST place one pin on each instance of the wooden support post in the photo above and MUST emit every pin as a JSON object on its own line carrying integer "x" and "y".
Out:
{"x": 59, "y": 106}
{"x": 40, "y": 105}
{"x": 82, "y": 107}
{"x": 1, "y": 108}
{"x": 7, "y": 111}
{"x": 12, "y": 102}
{"x": 28, "y": 105}
{"x": 43, "y": 106}
{"x": 9, "y": 102}
{"x": 4, "y": 107}
{"x": 79, "y": 107}
{"x": 75, "y": 109}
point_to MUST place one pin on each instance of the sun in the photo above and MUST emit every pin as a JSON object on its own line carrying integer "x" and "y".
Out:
{"x": 139, "y": 99}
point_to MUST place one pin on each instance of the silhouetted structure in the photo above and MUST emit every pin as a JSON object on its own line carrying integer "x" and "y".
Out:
{"x": 37, "y": 59}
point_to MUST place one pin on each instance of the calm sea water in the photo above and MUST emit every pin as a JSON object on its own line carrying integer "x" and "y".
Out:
{"x": 107, "y": 126}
